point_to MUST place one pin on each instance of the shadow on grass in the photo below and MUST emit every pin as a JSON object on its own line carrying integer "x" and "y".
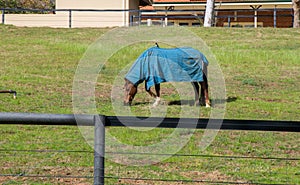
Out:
{"x": 192, "y": 102}
{"x": 140, "y": 103}
{"x": 182, "y": 102}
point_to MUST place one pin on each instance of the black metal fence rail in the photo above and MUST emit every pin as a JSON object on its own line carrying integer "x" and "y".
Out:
{"x": 70, "y": 120}
{"x": 227, "y": 124}
{"x": 100, "y": 122}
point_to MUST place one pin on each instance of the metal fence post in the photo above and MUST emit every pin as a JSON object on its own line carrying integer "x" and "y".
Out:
{"x": 99, "y": 149}
{"x": 228, "y": 20}
{"x": 3, "y": 15}
{"x": 131, "y": 20}
{"x": 140, "y": 18}
{"x": 70, "y": 18}
{"x": 275, "y": 17}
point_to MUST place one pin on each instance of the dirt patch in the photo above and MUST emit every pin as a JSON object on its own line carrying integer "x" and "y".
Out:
{"x": 53, "y": 175}
{"x": 197, "y": 178}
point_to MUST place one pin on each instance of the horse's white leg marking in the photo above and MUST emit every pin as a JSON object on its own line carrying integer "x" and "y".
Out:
{"x": 157, "y": 102}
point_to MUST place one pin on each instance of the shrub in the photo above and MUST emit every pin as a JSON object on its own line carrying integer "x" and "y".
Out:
{"x": 27, "y": 4}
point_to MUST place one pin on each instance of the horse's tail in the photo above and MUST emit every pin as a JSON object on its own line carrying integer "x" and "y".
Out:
{"x": 204, "y": 68}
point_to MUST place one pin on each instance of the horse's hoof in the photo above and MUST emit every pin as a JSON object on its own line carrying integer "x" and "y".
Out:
{"x": 154, "y": 105}
{"x": 127, "y": 104}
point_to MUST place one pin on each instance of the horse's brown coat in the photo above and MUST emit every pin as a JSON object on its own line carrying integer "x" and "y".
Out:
{"x": 131, "y": 90}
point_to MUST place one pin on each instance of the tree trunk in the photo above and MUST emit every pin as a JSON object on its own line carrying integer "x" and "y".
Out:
{"x": 209, "y": 13}
{"x": 296, "y": 8}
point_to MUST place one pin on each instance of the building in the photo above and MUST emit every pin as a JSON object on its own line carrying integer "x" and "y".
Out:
{"x": 108, "y": 18}
{"x": 114, "y": 13}
{"x": 229, "y": 13}
{"x": 78, "y": 13}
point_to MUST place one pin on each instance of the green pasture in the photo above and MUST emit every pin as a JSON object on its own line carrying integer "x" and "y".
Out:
{"x": 261, "y": 69}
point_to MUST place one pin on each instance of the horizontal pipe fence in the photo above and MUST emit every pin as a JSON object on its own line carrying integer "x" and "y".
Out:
{"x": 100, "y": 122}
{"x": 88, "y": 120}
{"x": 107, "y": 17}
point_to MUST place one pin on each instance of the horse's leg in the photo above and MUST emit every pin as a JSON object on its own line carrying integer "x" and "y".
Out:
{"x": 196, "y": 90}
{"x": 157, "y": 90}
{"x": 204, "y": 92}
{"x": 150, "y": 92}
{"x": 156, "y": 96}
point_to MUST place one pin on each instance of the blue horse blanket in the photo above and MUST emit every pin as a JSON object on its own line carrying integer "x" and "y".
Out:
{"x": 157, "y": 65}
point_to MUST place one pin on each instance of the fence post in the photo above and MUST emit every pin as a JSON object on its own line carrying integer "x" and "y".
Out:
{"x": 70, "y": 18}
{"x": 3, "y": 15}
{"x": 274, "y": 17}
{"x": 228, "y": 20}
{"x": 99, "y": 149}
{"x": 131, "y": 20}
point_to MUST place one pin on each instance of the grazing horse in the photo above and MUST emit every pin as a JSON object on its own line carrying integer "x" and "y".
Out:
{"x": 157, "y": 65}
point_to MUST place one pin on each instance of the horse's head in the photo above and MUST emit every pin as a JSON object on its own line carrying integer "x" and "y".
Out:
{"x": 130, "y": 92}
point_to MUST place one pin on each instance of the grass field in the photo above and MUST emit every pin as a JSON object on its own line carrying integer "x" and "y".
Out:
{"x": 261, "y": 69}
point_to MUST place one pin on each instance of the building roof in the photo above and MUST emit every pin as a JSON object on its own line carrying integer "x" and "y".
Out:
{"x": 227, "y": 4}
{"x": 201, "y": 1}
{"x": 148, "y": 7}
{"x": 222, "y": 4}
{"x": 171, "y": 1}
